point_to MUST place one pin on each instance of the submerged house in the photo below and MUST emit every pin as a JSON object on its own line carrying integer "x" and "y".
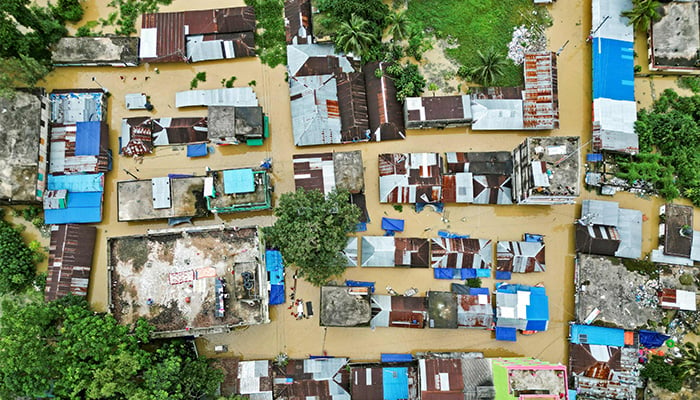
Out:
{"x": 189, "y": 282}
{"x": 198, "y": 35}
{"x": 160, "y": 198}
{"x": 318, "y": 378}
{"x": 384, "y": 381}
{"x": 674, "y": 39}
{"x": 232, "y": 97}
{"x": 529, "y": 378}
{"x": 478, "y": 178}
{"x": 234, "y": 190}
{"x": 614, "y": 107}
{"x": 461, "y": 258}
{"x": 79, "y": 148}
{"x": 519, "y": 257}
{"x": 23, "y": 154}
{"x": 234, "y": 125}
{"x": 252, "y": 378}
{"x": 604, "y": 362}
{"x": 298, "y": 21}
{"x": 410, "y": 178}
{"x": 437, "y": 112}
{"x": 398, "y": 311}
{"x": 607, "y": 229}
{"x": 546, "y": 170}
{"x": 114, "y": 51}
{"x": 679, "y": 244}
{"x": 391, "y": 251}
{"x": 520, "y": 308}
{"x": 345, "y": 306}
{"x": 71, "y": 249}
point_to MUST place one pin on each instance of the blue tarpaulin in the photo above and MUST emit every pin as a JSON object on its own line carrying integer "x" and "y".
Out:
{"x": 392, "y": 224}
{"x": 503, "y": 275}
{"x": 483, "y": 273}
{"x": 449, "y": 235}
{"x": 177, "y": 176}
{"x": 613, "y": 69}
{"x": 76, "y": 183}
{"x": 361, "y": 227}
{"x": 591, "y": 334}
{"x": 444, "y": 273}
{"x": 197, "y": 150}
{"x": 594, "y": 157}
{"x": 534, "y": 238}
{"x": 396, "y": 357}
{"x": 360, "y": 284}
{"x": 477, "y": 291}
{"x": 651, "y": 339}
{"x": 84, "y": 203}
{"x": 87, "y": 138}
{"x": 395, "y": 383}
{"x": 277, "y": 295}
{"x": 274, "y": 266}
{"x": 239, "y": 181}
{"x": 506, "y": 334}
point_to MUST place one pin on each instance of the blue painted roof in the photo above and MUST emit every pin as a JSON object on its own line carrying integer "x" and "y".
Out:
{"x": 238, "y": 181}
{"x": 396, "y": 357}
{"x": 81, "y": 208}
{"x": 87, "y": 138}
{"x": 507, "y": 334}
{"x": 613, "y": 69}
{"x": 590, "y": 334}
{"x": 76, "y": 183}
{"x": 395, "y": 383}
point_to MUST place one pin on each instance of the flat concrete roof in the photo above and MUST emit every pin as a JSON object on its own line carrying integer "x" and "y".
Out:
{"x": 675, "y": 38}
{"x": 189, "y": 281}
{"x": 81, "y": 51}
{"x": 134, "y": 199}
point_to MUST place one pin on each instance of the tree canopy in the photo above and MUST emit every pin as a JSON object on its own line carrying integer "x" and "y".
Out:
{"x": 349, "y": 14}
{"x": 408, "y": 80}
{"x": 311, "y": 230}
{"x": 65, "y": 349}
{"x": 642, "y": 14}
{"x": 671, "y": 129}
{"x": 17, "y": 260}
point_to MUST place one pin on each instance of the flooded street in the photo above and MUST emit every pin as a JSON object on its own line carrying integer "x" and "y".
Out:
{"x": 305, "y": 337}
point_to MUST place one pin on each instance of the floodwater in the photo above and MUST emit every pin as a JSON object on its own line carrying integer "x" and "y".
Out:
{"x": 305, "y": 337}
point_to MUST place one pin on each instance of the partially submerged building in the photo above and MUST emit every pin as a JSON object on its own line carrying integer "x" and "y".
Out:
{"x": 437, "y": 112}
{"x": 234, "y": 125}
{"x": 398, "y": 311}
{"x": 160, "y": 198}
{"x": 679, "y": 244}
{"x": 383, "y": 381}
{"x": 298, "y": 22}
{"x": 410, "y": 178}
{"x": 466, "y": 308}
{"x": 234, "y": 190}
{"x": 318, "y": 378}
{"x": 478, "y": 177}
{"x": 604, "y": 362}
{"x": 114, "y": 51}
{"x": 391, "y": 251}
{"x": 24, "y": 123}
{"x": 251, "y": 378}
{"x": 546, "y": 170}
{"x": 71, "y": 249}
{"x": 461, "y": 258}
{"x": 519, "y": 257}
{"x": 520, "y": 308}
{"x": 198, "y": 35}
{"x": 79, "y": 148}
{"x": 674, "y": 39}
{"x": 189, "y": 282}
{"x": 232, "y": 97}
{"x": 529, "y": 378}
{"x": 79, "y": 199}
{"x": 607, "y": 229}
{"x": 345, "y": 306}
{"x": 614, "y": 107}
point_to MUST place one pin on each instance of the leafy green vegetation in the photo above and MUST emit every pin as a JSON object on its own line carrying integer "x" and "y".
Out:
{"x": 669, "y": 136}
{"x": 489, "y": 68}
{"x": 64, "y": 349}
{"x": 17, "y": 260}
{"x": 644, "y": 267}
{"x": 473, "y": 282}
{"x": 128, "y": 11}
{"x": 642, "y": 14}
{"x": 270, "y": 39}
{"x": 68, "y": 10}
{"x": 200, "y": 77}
{"x": 667, "y": 376}
{"x": 408, "y": 80}
{"x": 476, "y": 25}
{"x": 355, "y": 37}
{"x": 311, "y": 230}
{"x": 690, "y": 82}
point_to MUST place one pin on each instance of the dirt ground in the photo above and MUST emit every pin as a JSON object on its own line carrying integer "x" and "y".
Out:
{"x": 299, "y": 338}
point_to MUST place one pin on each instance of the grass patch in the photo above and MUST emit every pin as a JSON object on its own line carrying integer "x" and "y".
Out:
{"x": 479, "y": 25}
{"x": 270, "y": 38}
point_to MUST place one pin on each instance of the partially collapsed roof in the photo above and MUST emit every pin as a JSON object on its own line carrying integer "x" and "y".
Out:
{"x": 345, "y": 306}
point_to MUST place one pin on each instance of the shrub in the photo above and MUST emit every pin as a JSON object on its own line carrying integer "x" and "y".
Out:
{"x": 666, "y": 376}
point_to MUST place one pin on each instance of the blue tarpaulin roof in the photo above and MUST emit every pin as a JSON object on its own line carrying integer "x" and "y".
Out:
{"x": 454, "y": 273}
{"x": 396, "y": 357}
{"x": 391, "y": 224}
{"x": 76, "y": 183}
{"x": 483, "y": 273}
{"x": 360, "y": 284}
{"x": 239, "y": 181}
{"x": 81, "y": 208}
{"x": 197, "y": 150}
{"x": 507, "y": 334}
{"x": 591, "y": 334}
{"x": 651, "y": 339}
{"x": 395, "y": 383}
{"x": 476, "y": 291}
{"x": 276, "y": 294}
{"x": 274, "y": 266}
{"x": 503, "y": 275}
{"x": 594, "y": 157}
{"x": 613, "y": 69}
{"x": 87, "y": 138}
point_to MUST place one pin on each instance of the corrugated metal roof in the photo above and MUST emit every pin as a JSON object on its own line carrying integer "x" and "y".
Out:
{"x": 180, "y": 130}
{"x": 165, "y": 37}
{"x": 474, "y": 311}
{"x": 75, "y": 105}
{"x": 437, "y": 111}
{"x": 389, "y": 251}
{"x": 297, "y": 18}
{"x": 441, "y": 379}
{"x": 315, "y": 113}
{"x": 600, "y": 212}
{"x": 70, "y": 260}
{"x": 497, "y": 114}
{"x": 615, "y": 26}
{"x": 410, "y": 177}
{"x": 84, "y": 199}
{"x": 540, "y": 97}
{"x": 386, "y": 120}
{"x": 461, "y": 253}
{"x": 239, "y": 97}
{"x": 520, "y": 257}
{"x": 316, "y": 59}
{"x": 630, "y": 229}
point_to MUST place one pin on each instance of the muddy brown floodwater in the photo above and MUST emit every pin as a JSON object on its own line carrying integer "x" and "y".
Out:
{"x": 304, "y": 337}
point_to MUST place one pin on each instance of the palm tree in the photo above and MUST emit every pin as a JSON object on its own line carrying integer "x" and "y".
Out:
{"x": 690, "y": 361}
{"x": 355, "y": 36}
{"x": 489, "y": 67}
{"x": 642, "y": 14}
{"x": 398, "y": 25}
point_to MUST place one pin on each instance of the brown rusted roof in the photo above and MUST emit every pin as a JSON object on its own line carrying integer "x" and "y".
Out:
{"x": 676, "y": 244}
{"x": 367, "y": 389}
{"x": 352, "y": 101}
{"x": 384, "y": 111}
{"x": 540, "y": 97}
{"x": 297, "y": 14}
{"x": 435, "y": 389}
{"x": 303, "y": 384}
{"x": 172, "y": 29}
{"x": 70, "y": 260}
{"x": 496, "y": 93}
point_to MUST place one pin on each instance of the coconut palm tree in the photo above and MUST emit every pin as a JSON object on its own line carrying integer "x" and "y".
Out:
{"x": 398, "y": 25}
{"x": 355, "y": 36}
{"x": 690, "y": 361}
{"x": 643, "y": 13}
{"x": 489, "y": 67}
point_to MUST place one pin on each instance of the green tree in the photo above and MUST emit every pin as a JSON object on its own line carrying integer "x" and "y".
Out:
{"x": 667, "y": 376}
{"x": 270, "y": 38}
{"x": 20, "y": 71}
{"x": 642, "y": 14}
{"x": 689, "y": 362}
{"x": 489, "y": 67}
{"x": 397, "y": 25}
{"x": 68, "y": 10}
{"x": 17, "y": 268}
{"x": 407, "y": 79}
{"x": 354, "y": 37}
{"x": 311, "y": 230}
